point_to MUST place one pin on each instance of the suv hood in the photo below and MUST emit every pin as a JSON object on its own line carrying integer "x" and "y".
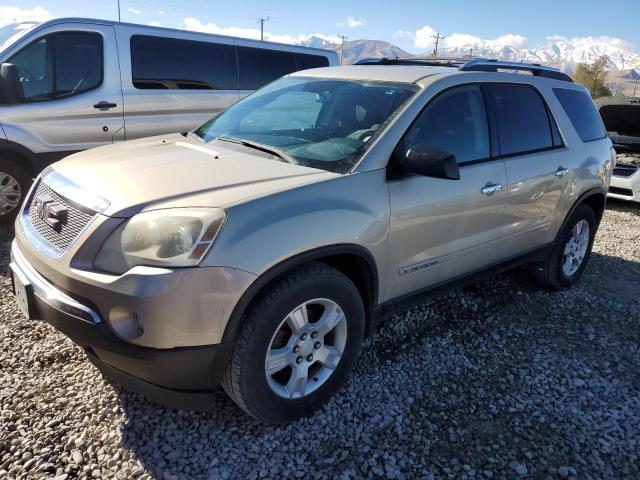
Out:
{"x": 177, "y": 171}
{"x": 621, "y": 117}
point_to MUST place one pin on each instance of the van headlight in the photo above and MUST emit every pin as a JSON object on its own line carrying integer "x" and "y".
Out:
{"x": 177, "y": 237}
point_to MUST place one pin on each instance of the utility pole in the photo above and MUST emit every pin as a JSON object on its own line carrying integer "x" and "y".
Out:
{"x": 261, "y": 21}
{"x": 119, "y": 10}
{"x": 437, "y": 36}
{"x": 343, "y": 38}
{"x": 471, "y": 52}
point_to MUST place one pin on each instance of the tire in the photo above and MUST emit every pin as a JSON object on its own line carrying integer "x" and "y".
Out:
{"x": 267, "y": 327}
{"x": 554, "y": 271}
{"x": 14, "y": 185}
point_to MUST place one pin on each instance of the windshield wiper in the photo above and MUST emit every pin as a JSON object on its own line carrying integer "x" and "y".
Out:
{"x": 262, "y": 147}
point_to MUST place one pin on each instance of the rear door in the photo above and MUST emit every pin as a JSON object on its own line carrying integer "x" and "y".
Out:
{"x": 71, "y": 80}
{"x": 443, "y": 229}
{"x": 539, "y": 169}
{"x": 174, "y": 84}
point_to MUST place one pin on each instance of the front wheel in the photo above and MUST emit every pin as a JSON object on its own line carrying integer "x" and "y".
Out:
{"x": 297, "y": 344}
{"x": 568, "y": 258}
{"x": 14, "y": 184}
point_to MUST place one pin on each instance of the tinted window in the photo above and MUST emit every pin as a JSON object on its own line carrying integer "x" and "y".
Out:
{"x": 259, "y": 66}
{"x": 304, "y": 61}
{"x": 455, "y": 122}
{"x": 581, "y": 111}
{"x": 60, "y": 65}
{"x": 523, "y": 121}
{"x": 78, "y": 62}
{"x": 170, "y": 63}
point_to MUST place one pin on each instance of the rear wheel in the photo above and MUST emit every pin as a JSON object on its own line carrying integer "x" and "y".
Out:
{"x": 297, "y": 344}
{"x": 14, "y": 184}
{"x": 569, "y": 256}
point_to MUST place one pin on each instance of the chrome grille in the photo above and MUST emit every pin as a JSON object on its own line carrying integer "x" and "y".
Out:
{"x": 76, "y": 219}
{"x": 625, "y": 169}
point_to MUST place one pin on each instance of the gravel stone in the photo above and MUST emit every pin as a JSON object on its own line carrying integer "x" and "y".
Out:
{"x": 499, "y": 379}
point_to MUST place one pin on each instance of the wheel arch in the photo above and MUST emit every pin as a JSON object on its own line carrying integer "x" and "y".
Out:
{"x": 354, "y": 261}
{"x": 596, "y": 198}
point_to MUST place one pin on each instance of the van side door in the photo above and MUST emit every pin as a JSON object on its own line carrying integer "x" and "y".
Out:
{"x": 539, "y": 170}
{"x": 442, "y": 229}
{"x": 174, "y": 83}
{"x": 71, "y": 81}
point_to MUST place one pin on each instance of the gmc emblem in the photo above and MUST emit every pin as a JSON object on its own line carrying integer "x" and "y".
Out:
{"x": 50, "y": 212}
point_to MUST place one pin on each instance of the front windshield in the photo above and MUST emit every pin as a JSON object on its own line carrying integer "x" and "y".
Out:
{"x": 319, "y": 123}
{"x": 9, "y": 34}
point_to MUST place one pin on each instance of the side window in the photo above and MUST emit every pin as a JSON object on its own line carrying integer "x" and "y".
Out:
{"x": 456, "y": 122}
{"x": 304, "y": 61}
{"x": 522, "y": 118}
{"x": 159, "y": 63}
{"x": 259, "y": 66}
{"x": 60, "y": 65}
{"x": 582, "y": 113}
{"x": 35, "y": 68}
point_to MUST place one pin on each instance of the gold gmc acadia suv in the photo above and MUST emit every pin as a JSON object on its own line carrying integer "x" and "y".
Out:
{"x": 259, "y": 250}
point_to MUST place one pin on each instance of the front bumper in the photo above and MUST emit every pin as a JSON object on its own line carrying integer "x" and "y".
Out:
{"x": 183, "y": 377}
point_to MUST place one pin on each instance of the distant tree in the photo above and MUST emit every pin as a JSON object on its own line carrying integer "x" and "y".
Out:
{"x": 594, "y": 77}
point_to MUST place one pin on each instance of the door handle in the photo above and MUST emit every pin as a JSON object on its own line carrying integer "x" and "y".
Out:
{"x": 104, "y": 105}
{"x": 561, "y": 172}
{"x": 491, "y": 188}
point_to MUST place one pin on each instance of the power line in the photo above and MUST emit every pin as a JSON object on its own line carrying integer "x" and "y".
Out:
{"x": 262, "y": 21}
{"x": 119, "y": 11}
{"x": 343, "y": 38}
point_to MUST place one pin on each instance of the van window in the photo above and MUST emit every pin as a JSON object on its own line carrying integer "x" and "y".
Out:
{"x": 259, "y": 66}
{"x": 582, "y": 112}
{"x": 176, "y": 64}
{"x": 522, "y": 118}
{"x": 456, "y": 122}
{"x": 60, "y": 65}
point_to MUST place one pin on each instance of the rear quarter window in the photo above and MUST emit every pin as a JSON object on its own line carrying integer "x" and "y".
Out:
{"x": 582, "y": 113}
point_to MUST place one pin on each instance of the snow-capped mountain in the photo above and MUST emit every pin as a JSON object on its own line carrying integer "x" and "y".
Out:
{"x": 561, "y": 53}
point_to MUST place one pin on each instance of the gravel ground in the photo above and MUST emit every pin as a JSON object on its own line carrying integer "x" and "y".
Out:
{"x": 497, "y": 380}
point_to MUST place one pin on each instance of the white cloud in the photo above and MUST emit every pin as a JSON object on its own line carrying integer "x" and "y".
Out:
{"x": 155, "y": 23}
{"x": 424, "y": 38}
{"x": 197, "y": 25}
{"x": 134, "y": 11}
{"x": 352, "y": 22}
{"x": 402, "y": 34}
{"x": 13, "y": 14}
{"x": 161, "y": 12}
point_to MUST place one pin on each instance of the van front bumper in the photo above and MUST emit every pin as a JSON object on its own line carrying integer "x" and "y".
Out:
{"x": 182, "y": 377}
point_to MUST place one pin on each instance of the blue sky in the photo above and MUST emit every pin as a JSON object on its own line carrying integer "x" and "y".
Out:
{"x": 407, "y": 23}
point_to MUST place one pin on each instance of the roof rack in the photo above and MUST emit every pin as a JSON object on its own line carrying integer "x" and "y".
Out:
{"x": 491, "y": 65}
{"x": 425, "y": 62}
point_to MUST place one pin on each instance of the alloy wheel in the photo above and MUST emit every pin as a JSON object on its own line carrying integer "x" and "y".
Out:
{"x": 10, "y": 193}
{"x": 306, "y": 348}
{"x": 576, "y": 248}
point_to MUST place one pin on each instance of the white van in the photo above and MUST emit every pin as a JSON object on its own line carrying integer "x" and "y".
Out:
{"x": 71, "y": 84}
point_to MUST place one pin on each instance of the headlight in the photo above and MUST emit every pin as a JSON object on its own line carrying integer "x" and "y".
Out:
{"x": 177, "y": 237}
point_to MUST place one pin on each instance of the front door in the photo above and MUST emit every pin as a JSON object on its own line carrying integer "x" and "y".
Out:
{"x": 71, "y": 82}
{"x": 443, "y": 229}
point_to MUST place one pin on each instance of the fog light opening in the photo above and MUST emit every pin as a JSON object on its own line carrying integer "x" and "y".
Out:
{"x": 125, "y": 323}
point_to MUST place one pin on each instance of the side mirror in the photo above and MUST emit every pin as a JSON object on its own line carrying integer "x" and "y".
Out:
{"x": 428, "y": 161}
{"x": 11, "y": 91}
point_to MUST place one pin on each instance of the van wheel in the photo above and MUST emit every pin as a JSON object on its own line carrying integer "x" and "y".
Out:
{"x": 569, "y": 256}
{"x": 14, "y": 184}
{"x": 297, "y": 345}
